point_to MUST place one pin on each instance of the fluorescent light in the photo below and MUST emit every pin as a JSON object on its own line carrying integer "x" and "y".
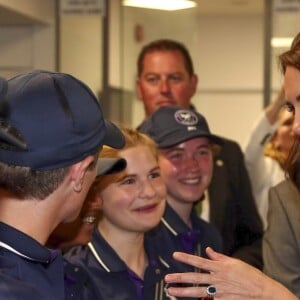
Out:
{"x": 161, "y": 4}
{"x": 281, "y": 42}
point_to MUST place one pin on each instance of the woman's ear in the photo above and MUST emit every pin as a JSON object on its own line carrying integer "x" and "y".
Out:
{"x": 78, "y": 172}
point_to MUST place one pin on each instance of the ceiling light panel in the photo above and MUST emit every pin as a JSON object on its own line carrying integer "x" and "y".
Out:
{"x": 161, "y": 4}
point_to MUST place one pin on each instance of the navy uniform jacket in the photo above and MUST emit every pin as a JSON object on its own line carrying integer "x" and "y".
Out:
{"x": 172, "y": 234}
{"x": 111, "y": 276}
{"x": 29, "y": 270}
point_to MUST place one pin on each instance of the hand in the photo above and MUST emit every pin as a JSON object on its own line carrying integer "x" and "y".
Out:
{"x": 232, "y": 278}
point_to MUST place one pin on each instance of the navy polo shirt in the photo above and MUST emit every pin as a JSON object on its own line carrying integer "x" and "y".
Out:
{"x": 172, "y": 234}
{"x": 112, "y": 277}
{"x": 28, "y": 270}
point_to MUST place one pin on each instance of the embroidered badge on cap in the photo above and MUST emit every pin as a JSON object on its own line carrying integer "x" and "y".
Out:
{"x": 186, "y": 117}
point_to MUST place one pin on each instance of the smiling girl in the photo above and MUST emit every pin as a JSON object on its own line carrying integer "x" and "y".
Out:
{"x": 132, "y": 202}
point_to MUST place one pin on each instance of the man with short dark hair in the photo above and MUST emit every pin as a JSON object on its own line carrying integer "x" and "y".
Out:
{"x": 166, "y": 77}
{"x": 51, "y": 130}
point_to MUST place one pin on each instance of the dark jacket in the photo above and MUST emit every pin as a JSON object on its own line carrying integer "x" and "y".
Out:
{"x": 29, "y": 270}
{"x": 232, "y": 206}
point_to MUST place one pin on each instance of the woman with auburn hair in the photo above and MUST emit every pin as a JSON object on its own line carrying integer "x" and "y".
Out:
{"x": 117, "y": 259}
{"x": 232, "y": 278}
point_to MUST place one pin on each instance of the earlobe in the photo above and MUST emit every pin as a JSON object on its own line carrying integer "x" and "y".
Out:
{"x": 77, "y": 186}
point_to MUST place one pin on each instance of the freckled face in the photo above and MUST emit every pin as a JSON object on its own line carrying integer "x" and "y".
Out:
{"x": 165, "y": 81}
{"x": 187, "y": 169}
{"x": 135, "y": 203}
{"x": 292, "y": 94}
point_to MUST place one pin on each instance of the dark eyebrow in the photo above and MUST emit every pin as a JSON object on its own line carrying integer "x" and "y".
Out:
{"x": 204, "y": 146}
{"x": 151, "y": 74}
{"x": 157, "y": 168}
{"x": 168, "y": 150}
{"x": 298, "y": 98}
{"x": 176, "y": 73}
{"x": 125, "y": 177}
{"x": 176, "y": 148}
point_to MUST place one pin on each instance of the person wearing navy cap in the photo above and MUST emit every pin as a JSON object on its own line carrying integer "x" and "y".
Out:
{"x": 51, "y": 130}
{"x": 166, "y": 76}
{"x": 186, "y": 149}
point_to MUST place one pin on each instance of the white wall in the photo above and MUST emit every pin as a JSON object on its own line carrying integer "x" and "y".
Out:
{"x": 230, "y": 64}
{"x": 30, "y": 45}
{"x": 81, "y": 48}
{"x": 29, "y": 41}
{"x": 16, "y": 48}
{"x": 115, "y": 44}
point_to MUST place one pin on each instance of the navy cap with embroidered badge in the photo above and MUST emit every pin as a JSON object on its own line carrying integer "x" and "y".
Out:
{"x": 172, "y": 125}
{"x": 50, "y": 120}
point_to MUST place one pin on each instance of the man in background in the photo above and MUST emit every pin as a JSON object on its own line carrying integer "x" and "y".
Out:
{"x": 166, "y": 77}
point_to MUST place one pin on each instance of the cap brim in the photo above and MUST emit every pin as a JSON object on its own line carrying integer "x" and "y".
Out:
{"x": 113, "y": 137}
{"x": 215, "y": 139}
{"x": 110, "y": 165}
{"x": 178, "y": 139}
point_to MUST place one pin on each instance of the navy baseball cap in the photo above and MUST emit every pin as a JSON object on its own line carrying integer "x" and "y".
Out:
{"x": 172, "y": 125}
{"x": 51, "y": 120}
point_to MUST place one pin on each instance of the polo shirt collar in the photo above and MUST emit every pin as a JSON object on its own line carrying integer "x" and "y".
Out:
{"x": 173, "y": 222}
{"x": 23, "y": 245}
{"x": 105, "y": 254}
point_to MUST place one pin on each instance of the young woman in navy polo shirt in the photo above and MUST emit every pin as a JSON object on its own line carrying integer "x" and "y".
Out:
{"x": 118, "y": 260}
